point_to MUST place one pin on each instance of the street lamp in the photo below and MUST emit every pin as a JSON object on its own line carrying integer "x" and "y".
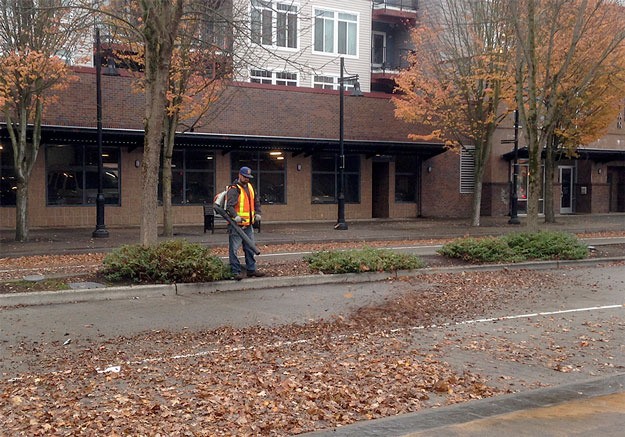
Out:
{"x": 100, "y": 229}
{"x": 514, "y": 203}
{"x": 341, "y": 225}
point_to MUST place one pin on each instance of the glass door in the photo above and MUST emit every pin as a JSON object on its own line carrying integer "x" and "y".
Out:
{"x": 378, "y": 52}
{"x": 566, "y": 192}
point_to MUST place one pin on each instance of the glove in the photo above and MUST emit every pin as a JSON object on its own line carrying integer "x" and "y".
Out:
{"x": 257, "y": 218}
{"x": 238, "y": 219}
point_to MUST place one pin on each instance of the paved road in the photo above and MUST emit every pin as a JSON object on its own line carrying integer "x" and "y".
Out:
{"x": 590, "y": 311}
{"x": 589, "y": 302}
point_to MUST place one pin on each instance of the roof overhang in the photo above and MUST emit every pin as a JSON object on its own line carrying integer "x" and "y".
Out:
{"x": 597, "y": 155}
{"x": 225, "y": 143}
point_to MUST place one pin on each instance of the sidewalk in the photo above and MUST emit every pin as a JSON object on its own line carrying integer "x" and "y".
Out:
{"x": 71, "y": 240}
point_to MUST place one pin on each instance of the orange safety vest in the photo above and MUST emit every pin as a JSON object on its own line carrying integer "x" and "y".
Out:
{"x": 245, "y": 208}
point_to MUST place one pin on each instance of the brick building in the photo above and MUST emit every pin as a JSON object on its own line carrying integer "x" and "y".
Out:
{"x": 285, "y": 125}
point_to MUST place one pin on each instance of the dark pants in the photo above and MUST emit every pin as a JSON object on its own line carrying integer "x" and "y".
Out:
{"x": 234, "y": 242}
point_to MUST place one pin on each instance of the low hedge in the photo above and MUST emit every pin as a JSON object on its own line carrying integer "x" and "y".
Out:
{"x": 175, "y": 261}
{"x": 516, "y": 247}
{"x": 361, "y": 260}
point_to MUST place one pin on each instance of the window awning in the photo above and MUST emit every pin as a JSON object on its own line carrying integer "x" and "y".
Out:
{"x": 597, "y": 155}
{"x": 225, "y": 143}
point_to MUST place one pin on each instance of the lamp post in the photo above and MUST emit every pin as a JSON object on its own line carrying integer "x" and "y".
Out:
{"x": 341, "y": 225}
{"x": 100, "y": 229}
{"x": 514, "y": 201}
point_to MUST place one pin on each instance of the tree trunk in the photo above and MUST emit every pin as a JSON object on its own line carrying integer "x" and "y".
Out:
{"x": 527, "y": 92}
{"x": 168, "y": 151}
{"x": 168, "y": 222}
{"x": 550, "y": 216}
{"x": 155, "y": 105}
{"x": 21, "y": 212}
{"x": 477, "y": 203}
{"x": 161, "y": 20}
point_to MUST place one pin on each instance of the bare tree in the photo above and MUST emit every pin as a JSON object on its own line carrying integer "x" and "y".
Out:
{"x": 161, "y": 29}
{"x": 459, "y": 78}
{"x": 34, "y": 36}
{"x": 563, "y": 50}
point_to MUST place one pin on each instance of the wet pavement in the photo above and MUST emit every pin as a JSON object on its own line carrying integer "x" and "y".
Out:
{"x": 595, "y": 407}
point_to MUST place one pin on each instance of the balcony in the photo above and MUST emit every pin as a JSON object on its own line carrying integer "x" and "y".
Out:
{"x": 391, "y": 11}
{"x": 385, "y": 65}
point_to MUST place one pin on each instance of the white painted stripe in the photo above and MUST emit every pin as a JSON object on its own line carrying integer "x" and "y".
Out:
{"x": 392, "y": 331}
{"x": 279, "y": 344}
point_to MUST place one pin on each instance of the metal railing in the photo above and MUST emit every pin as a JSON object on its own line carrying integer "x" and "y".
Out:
{"x": 402, "y": 5}
{"x": 392, "y": 62}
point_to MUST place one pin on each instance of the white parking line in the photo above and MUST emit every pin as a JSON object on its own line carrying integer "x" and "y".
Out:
{"x": 393, "y": 331}
{"x": 116, "y": 368}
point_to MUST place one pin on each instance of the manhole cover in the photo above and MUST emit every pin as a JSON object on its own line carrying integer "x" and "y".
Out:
{"x": 34, "y": 278}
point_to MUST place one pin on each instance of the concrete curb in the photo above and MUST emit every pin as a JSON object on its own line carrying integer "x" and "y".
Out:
{"x": 91, "y": 294}
{"x": 438, "y": 418}
{"x": 158, "y": 290}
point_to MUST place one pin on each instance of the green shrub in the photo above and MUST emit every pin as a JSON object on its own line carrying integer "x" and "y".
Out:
{"x": 516, "y": 247}
{"x": 361, "y": 260}
{"x": 489, "y": 249}
{"x": 168, "y": 262}
{"x": 546, "y": 245}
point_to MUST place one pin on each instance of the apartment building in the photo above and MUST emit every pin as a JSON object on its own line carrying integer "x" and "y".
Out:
{"x": 282, "y": 117}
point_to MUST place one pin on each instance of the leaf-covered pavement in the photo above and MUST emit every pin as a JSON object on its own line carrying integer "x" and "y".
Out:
{"x": 409, "y": 353}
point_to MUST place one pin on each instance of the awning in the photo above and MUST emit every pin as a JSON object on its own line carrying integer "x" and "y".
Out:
{"x": 133, "y": 139}
{"x": 597, "y": 155}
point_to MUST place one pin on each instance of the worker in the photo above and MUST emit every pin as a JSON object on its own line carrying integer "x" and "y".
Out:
{"x": 243, "y": 206}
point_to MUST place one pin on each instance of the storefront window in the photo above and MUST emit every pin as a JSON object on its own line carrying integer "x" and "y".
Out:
{"x": 8, "y": 181}
{"x": 72, "y": 175}
{"x": 406, "y": 179}
{"x": 325, "y": 176}
{"x": 269, "y": 173}
{"x": 523, "y": 188}
{"x": 192, "y": 177}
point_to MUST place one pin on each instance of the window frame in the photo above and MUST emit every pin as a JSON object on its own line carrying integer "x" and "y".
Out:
{"x": 335, "y": 33}
{"x": 411, "y": 176}
{"x": 8, "y": 198}
{"x": 254, "y": 160}
{"x": 181, "y": 156}
{"x": 273, "y": 22}
{"x": 348, "y": 172}
{"x": 62, "y": 176}
{"x": 268, "y": 77}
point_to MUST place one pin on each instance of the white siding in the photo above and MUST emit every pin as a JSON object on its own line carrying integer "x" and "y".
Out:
{"x": 306, "y": 63}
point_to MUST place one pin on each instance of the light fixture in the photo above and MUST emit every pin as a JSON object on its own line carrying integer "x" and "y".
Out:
{"x": 275, "y": 153}
{"x": 137, "y": 163}
{"x": 429, "y": 169}
{"x": 356, "y": 92}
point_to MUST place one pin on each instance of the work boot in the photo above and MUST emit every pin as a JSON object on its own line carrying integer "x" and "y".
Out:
{"x": 255, "y": 273}
{"x": 238, "y": 276}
